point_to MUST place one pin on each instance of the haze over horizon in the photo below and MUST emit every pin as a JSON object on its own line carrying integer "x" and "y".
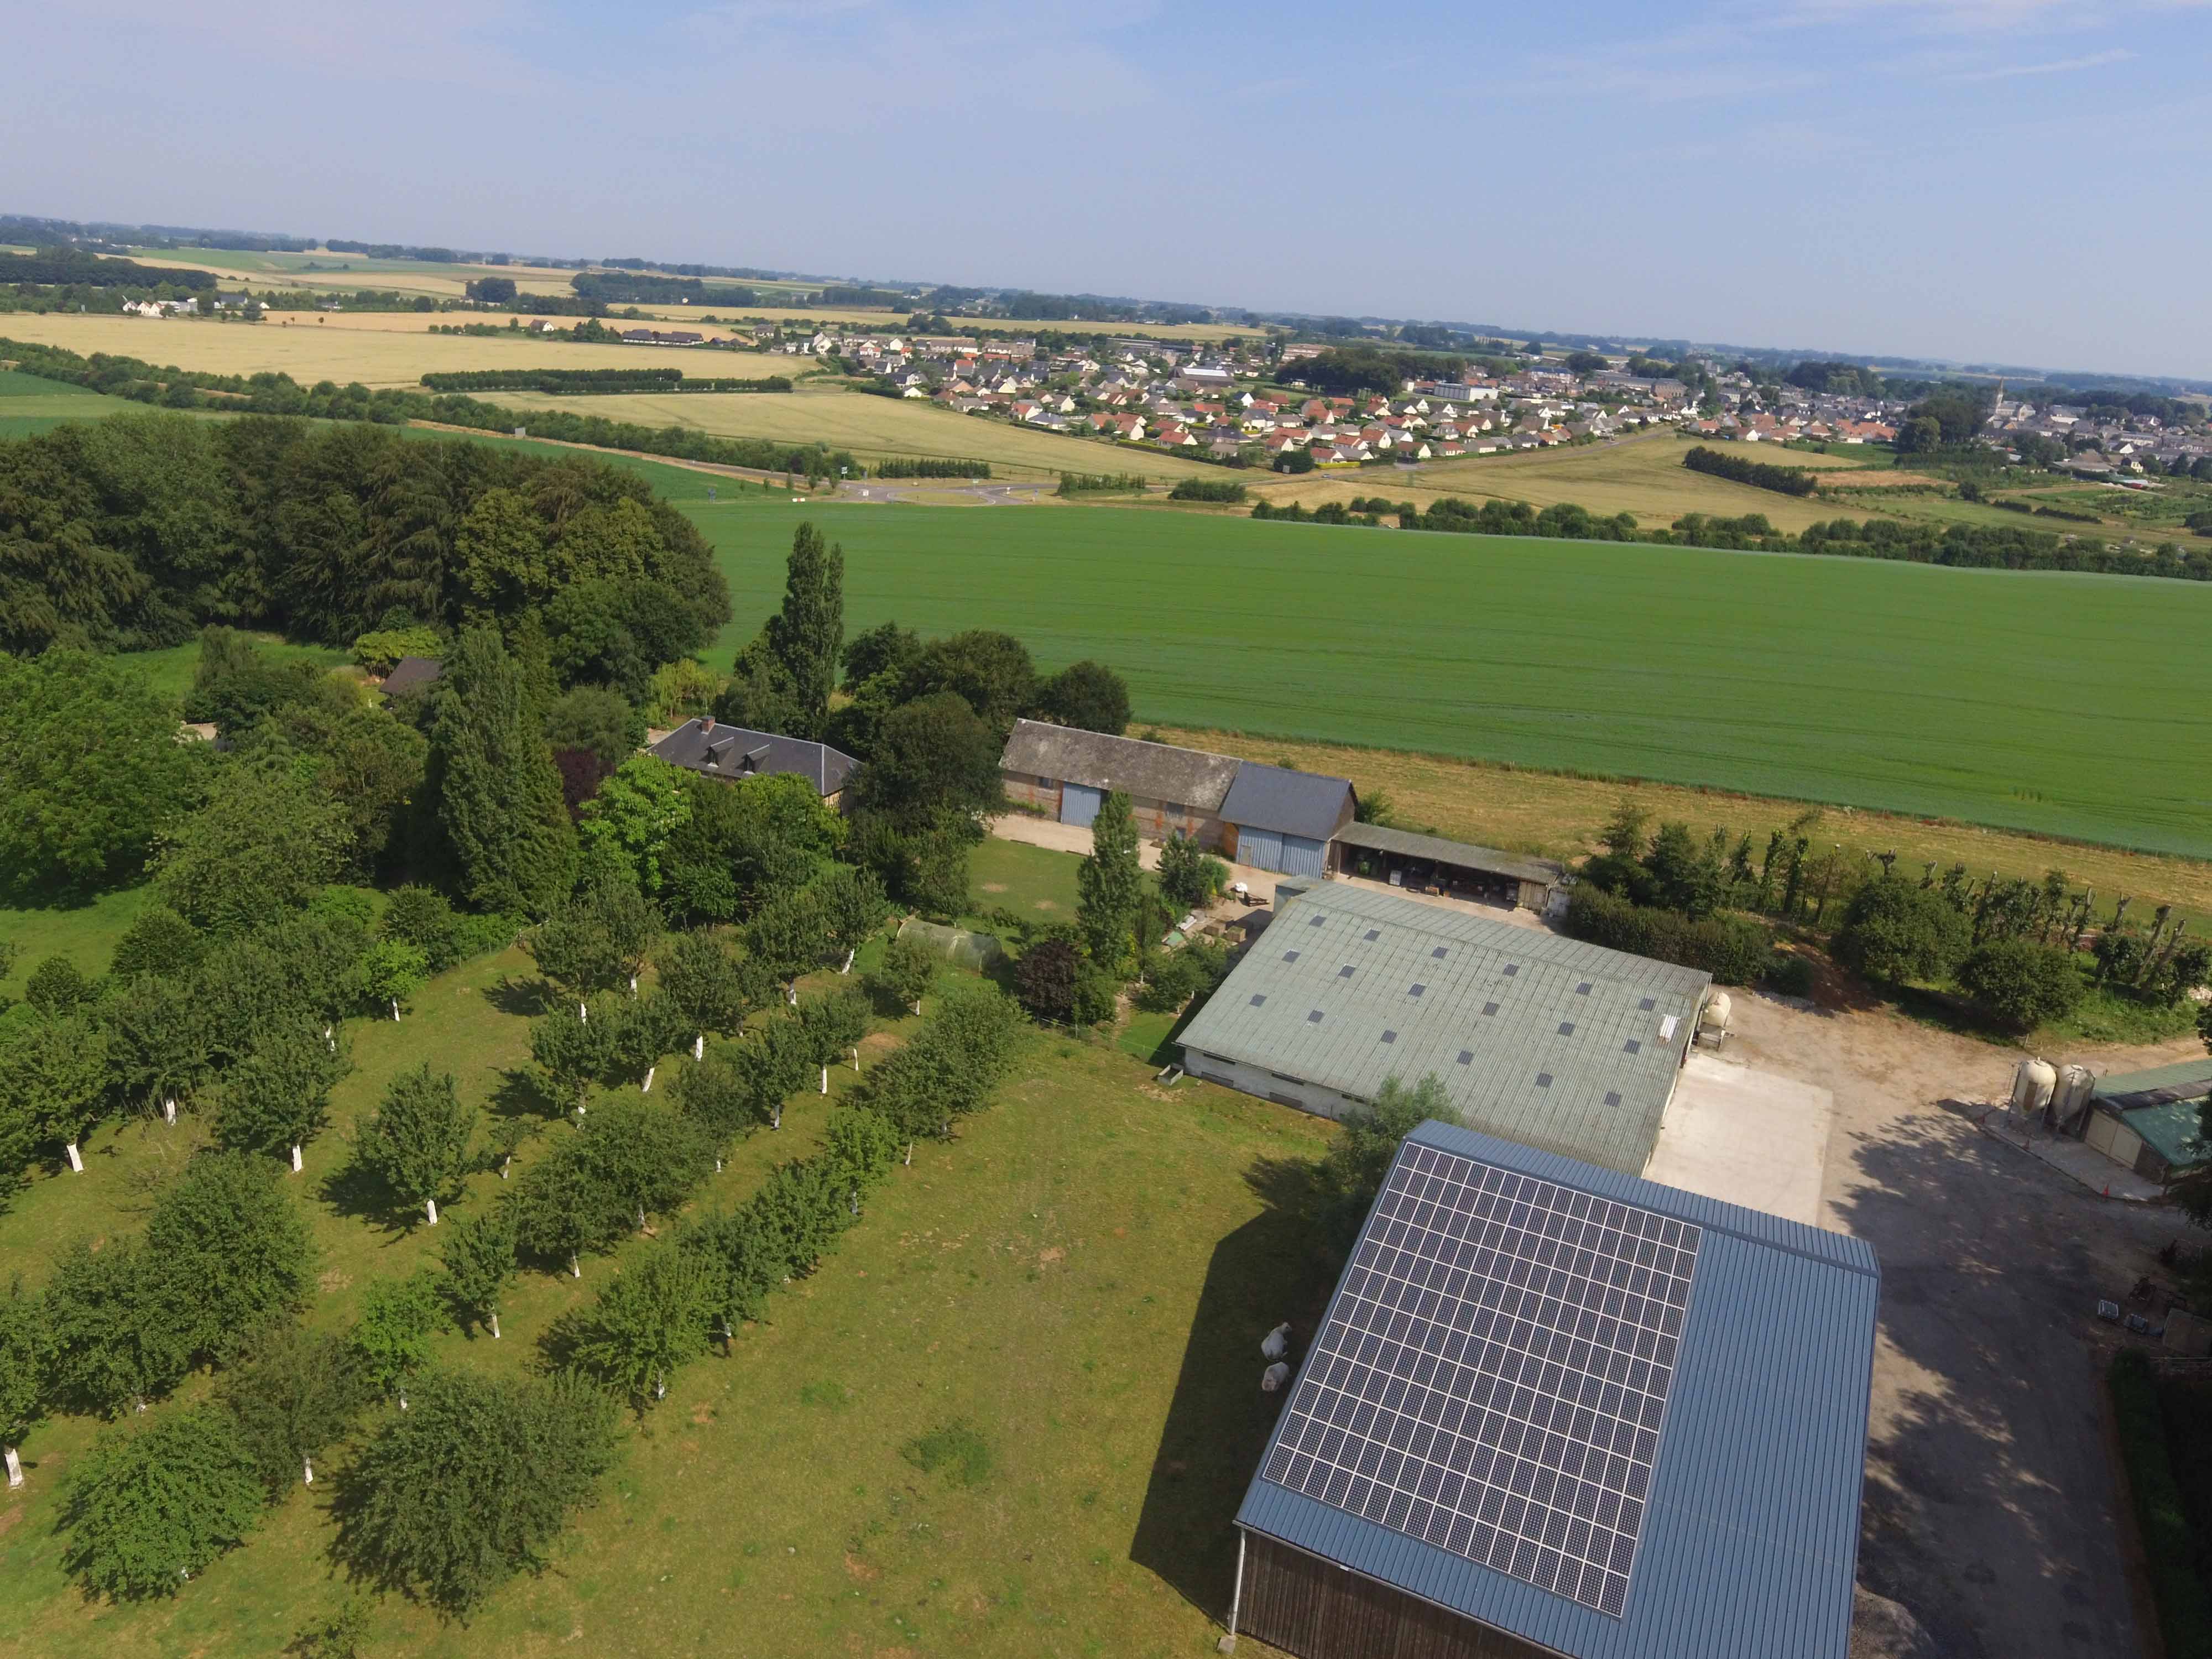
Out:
{"x": 2015, "y": 182}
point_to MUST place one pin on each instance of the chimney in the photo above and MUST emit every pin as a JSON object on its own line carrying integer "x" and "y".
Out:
{"x": 707, "y": 724}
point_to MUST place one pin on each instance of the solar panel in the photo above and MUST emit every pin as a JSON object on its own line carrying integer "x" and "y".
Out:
{"x": 1492, "y": 1377}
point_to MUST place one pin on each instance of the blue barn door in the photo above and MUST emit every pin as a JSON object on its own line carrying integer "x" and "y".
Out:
{"x": 1302, "y": 857}
{"x": 1261, "y": 848}
{"x": 1078, "y": 803}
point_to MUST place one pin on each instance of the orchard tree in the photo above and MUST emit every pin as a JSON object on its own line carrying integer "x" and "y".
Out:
{"x": 157, "y": 1049}
{"x": 598, "y": 940}
{"x": 149, "y": 1507}
{"x": 492, "y": 776}
{"x": 398, "y": 1317}
{"x": 113, "y": 1338}
{"x": 298, "y": 1392}
{"x": 909, "y": 968}
{"x": 832, "y": 1025}
{"x": 851, "y": 906}
{"x": 278, "y": 1097}
{"x": 26, "y": 1354}
{"x": 469, "y": 1487}
{"x": 646, "y": 1324}
{"x": 787, "y": 936}
{"x": 53, "y": 1073}
{"x": 710, "y": 989}
{"x": 390, "y": 973}
{"x": 418, "y": 1142}
{"x": 572, "y": 1052}
{"x": 232, "y": 1250}
{"x": 478, "y": 1256}
{"x": 1111, "y": 888}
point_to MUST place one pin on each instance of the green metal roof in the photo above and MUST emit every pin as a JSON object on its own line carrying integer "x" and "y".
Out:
{"x": 1541, "y": 1040}
{"x": 2171, "y": 1131}
{"x": 2187, "y": 1079}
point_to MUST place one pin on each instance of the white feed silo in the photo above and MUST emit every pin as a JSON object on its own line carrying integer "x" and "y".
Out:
{"x": 2033, "y": 1082}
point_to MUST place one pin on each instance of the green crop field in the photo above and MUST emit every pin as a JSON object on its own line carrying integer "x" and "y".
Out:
{"x": 2057, "y": 704}
{"x": 30, "y": 405}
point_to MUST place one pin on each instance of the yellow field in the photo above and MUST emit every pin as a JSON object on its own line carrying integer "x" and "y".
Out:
{"x": 1559, "y": 816}
{"x": 376, "y": 349}
{"x": 872, "y": 427}
{"x": 1642, "y": 475}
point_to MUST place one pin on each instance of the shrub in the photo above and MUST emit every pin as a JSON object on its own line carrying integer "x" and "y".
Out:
{"x": 1734, "y": 949}
{"x": 1178, "y": 975}
{"x": 379, "y": 651}
{"x": 1045, "y": 978}
{"x": 150, "y": 1507}
{"x": 1789, "y": 977}
{"x": 1896, "y": 931}
{"x": 2021, "y": 984}
{"x": 1189, "y": 875}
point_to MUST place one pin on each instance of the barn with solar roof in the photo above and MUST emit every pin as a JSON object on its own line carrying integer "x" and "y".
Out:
{"x": 1554, "y": 1409}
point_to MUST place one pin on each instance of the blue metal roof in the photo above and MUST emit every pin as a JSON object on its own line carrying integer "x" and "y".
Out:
{"x": 1750, "y": 1544}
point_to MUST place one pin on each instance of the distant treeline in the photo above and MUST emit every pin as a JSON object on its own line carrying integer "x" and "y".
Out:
{"x": 1789, "y": 480}
{"x": 592, "y": 380}
{"x": 623, "y": 288}
{"x": 1343, "y": 370}
{"x": 931, "y": 467}
{"x": 1206, "y": 489}
{"x": 280, "y": 394}
{"x": 435, "y": 256}
{"x": 1965, "y": 546}
{"x": 862, "y": 298}
{"x": 88, "y": 270}
{"x": 1103, "y": 483}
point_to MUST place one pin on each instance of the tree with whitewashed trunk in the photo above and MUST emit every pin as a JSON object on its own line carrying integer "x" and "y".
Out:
{"x": 853, "y": 906}
{"x": 634, "y": 1156}
{"x": 572, "y": 1055}
{"x": 832, "y": 1023}
{"x": 647, "y": 1323}
{"x": 478, "y": 1256}
{"x": 787, "y": 936}
{"x": 297, "y": 1393}
{"x": 598, "y": 941}
{"x": 53, "y": 1075}
{"x": 417, "y": 1143}
{"x": 776, "y": 1067}
{"x": 278, "y": 1099}
{"x": 909, "y": 968}
{"x": 157, "y": 1049}
{"x": 711, "y": 987}
{"x": 26, "y": 1353}
{"x": 398, "y": 1317}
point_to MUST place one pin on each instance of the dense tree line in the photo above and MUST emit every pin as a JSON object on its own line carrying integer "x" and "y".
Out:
{"x": 1977, "y": 547}
{"x": 136, "y": 531}
{"x": 931, "y": 467}
{"x": 624, "y": 288}
{"x": 75, "y": 269}
{"x": 594, "y": 380}
{"x": 1760, "y": 475}
{"x": 1206, "y": 489}
{"x": 279, "y": 394}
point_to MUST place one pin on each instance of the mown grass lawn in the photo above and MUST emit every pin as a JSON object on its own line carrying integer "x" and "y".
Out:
{"x": 1080, "y": 1279}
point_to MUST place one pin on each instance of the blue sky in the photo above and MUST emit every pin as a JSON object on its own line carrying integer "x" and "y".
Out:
{"x": 2017, "y": 180}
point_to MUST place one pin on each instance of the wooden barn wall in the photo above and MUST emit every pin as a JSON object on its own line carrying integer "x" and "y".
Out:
{"x": 1317, "y": 1610}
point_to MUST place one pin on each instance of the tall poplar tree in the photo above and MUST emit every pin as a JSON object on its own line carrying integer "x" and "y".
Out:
{"x": 1109, "y": 888}
{"x": 497, "y": 788}
{"x": 807, "y": 635}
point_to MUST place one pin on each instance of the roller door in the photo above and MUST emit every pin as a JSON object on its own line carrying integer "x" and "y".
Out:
{"x": 1079, "y": 803}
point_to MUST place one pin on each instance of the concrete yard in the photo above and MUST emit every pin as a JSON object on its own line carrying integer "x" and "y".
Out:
{"x": 1991, "y": 1508}
{"x": 1746, "y": 1136}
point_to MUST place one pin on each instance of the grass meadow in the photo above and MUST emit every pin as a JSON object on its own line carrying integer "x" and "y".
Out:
{"x": 2040, "y": 701}
{"x": 29, "y": 405}
{"x": 1079, "y": 1280}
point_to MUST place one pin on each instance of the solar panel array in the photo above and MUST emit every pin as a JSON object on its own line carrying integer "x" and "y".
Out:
{"x": 1492, "y": 1377}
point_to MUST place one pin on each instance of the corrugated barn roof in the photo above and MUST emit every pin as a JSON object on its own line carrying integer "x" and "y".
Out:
{"x": 1613, "y": 1419}
{"x": 1546, "y": 1040}
{"x": 1154, "y": 771}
